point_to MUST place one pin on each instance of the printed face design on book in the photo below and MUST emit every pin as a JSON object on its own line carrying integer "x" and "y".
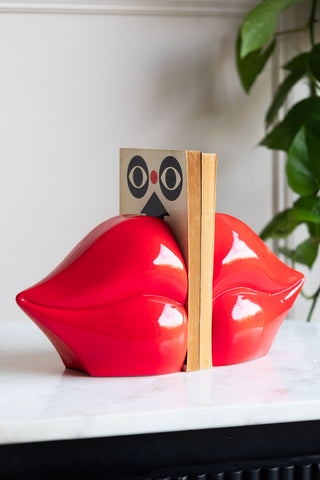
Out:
{"x": 155, "y": 185}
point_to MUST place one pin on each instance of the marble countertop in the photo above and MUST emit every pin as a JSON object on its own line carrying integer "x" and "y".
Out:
{"x": 41, "y": 400}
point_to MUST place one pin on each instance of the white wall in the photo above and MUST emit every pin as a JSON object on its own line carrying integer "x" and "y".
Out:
{"x": 75, "y": 87}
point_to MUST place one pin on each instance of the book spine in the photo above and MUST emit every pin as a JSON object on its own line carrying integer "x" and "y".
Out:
{"x": 208, "y": 203}
{"x": 194, "y": 262}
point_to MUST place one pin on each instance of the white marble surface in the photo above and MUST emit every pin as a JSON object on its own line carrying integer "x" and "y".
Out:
{"x": 40, "y": 400}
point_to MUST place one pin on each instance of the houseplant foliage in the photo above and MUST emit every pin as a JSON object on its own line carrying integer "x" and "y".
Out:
{"x": 298, "y": 132}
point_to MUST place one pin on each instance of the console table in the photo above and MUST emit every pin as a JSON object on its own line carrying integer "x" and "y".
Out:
{"x": 258, "y": 421}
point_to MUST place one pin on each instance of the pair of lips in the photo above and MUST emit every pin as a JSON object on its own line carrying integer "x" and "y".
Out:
{"x": 252, "y": 293}
{"x": 115, "y": 305}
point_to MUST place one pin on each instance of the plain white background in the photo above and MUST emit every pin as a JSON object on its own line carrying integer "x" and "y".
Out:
{"x": 74, "y": 88}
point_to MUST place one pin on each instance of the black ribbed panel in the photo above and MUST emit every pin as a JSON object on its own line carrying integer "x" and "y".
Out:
{"x": 285, "y": 472}
{"x": 271, "y": 474}
{"x": 304, "y": 472}
{"x": 254, "y": 474}
{"x": 236, "y": 475}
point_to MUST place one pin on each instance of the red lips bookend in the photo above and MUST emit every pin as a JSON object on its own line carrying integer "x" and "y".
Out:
{"x": 252, "y": 293}
{"x": 115, "y": 305}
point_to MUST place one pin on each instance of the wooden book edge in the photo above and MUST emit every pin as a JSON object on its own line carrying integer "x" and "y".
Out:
{"x": 194, "y": 262}
{"x": 208, "y": 203}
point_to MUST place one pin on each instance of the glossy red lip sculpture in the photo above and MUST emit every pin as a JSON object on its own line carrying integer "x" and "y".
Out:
{"x": 115, "y": 305}
{"x": 252, "y": 293}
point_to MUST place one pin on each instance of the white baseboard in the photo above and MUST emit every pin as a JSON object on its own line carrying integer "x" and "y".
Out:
{"x": 130, "y": 7}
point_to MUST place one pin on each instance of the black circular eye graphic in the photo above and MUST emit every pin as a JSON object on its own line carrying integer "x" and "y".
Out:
{"x": 138, "y": 176}
{"x": 170, "y": 176}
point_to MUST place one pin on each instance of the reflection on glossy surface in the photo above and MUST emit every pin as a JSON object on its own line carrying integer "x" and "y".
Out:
{"x": 245, "y": 309}
{"x": 167, "y": 257}
{"x": 239, "y": 250}
{"x": 115, "y": 305}
{"x": 252, "y": 293}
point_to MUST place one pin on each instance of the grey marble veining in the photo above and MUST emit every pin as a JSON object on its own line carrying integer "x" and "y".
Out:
{"x": 41, "y": 400}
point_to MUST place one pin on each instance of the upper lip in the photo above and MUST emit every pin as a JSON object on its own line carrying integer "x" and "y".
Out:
{"x": 102, "y": 268}
{"x": 242, "y": 260}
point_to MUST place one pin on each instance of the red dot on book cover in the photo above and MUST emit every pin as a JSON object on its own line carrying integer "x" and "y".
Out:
{"x": 153, "y": 176}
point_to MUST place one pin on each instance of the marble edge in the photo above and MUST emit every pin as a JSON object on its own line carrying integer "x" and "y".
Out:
{"x": 100, "y": 426}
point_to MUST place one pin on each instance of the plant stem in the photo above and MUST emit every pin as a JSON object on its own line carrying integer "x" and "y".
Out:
{"x": 315, "y": 298}
{"x": 308, "y": 26}
{"x": 304, "y": 28}
{"x": 313, "y": 86}
{"x": 308, "y": 297}
{"x": 312, "y": 21}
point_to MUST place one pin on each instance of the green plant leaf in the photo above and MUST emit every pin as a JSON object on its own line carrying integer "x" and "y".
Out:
{"x": 298, "y": 168}
{"x": 287, "y": 252}
{"x": 313, "y": 145}
{"x": 299, "y": 62}
{"x": 297, "y": 67}
{"x": 314, "y": 231}
{"x": 258, "y": 26}
{"x": 314, "y": 61}
{"x": 281, "y": 225}
{"x": 250, "y": 66}
{"x": 314, "y": 127}
{"x": 305, "y": 112}
{"x": 306, "y": 252}
{"x": 282, "y": 92}
{"x": 307, "y": 209}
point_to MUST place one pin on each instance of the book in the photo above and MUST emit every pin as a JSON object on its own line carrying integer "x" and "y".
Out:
{"x": 180, "y": 187}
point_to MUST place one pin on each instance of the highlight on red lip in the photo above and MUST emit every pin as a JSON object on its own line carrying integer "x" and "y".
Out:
{"x": 252, "y": 293}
